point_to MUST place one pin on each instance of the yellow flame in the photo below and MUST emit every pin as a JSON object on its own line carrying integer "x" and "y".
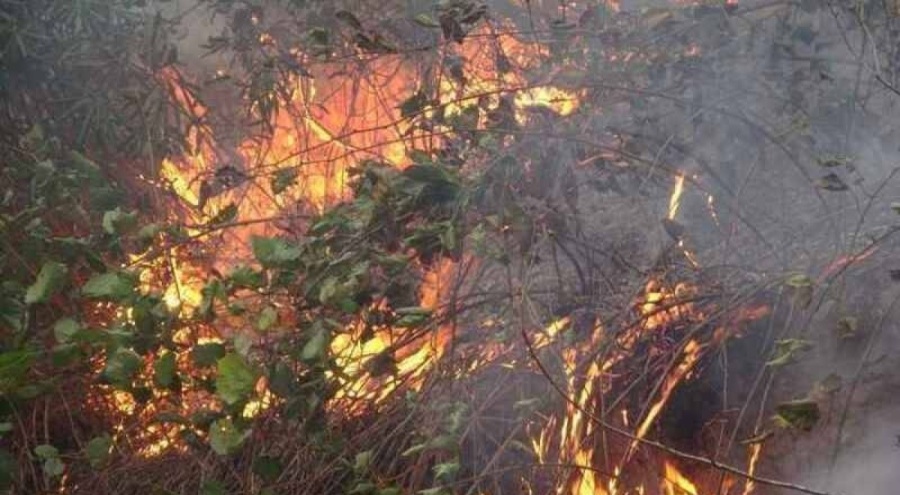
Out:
{"x": 675, "y": 198}
{"x": 676, "y": 483}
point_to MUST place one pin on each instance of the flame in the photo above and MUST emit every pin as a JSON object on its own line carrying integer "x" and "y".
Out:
{"x": 675, "y": 197}
{"x": 676, "y": 483}
{"x": 755, "y": 451}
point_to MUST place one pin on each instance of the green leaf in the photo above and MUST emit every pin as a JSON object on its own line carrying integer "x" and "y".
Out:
{"x": 425, "y": 20}
{"x": 235, "y": 379}
{"x": 164, "y": 370}
{"x": 225, "y": 215}
{"x": 281, "y": 380}
{"x": 896, "y": 207}
{"x": 787, "y": 350}
{"x": 363, "y": 488}
{"x": 115, "y": 286}
{"x": 49, "y": 281}
{"x": 801, "y": 414}
{"x": 8, "y": 468}
{"x": 14, "y": 366}
{"x": 98, "y": 450}
{"x": 848, "y": 328}
{"x": 116, "y": 222}
{"x": 64, "y": 329}
{"x": 832, "y": 182}
{"x": 446, "y": 471}
{"x": 205, "y": 355}
{"x": 362, "y": 462}
{"x": 122, "y": 366}
{"x": 246, "y": 277}
{"x": 413, "y": 105}
{"x": 213, "y": 487}
{"x": 268, "y": 468}
{"x": 46, "y": 451}
{"x": 267, "y": 317}
{"x": 283, "y": 179}
{"x": 54, "y": 467}
{"x": 316, "y": 346}
{"x": 148, "y": 232}
{"x": 832, "y": 161}
{"x": 273, "y": 253}
{"x": 225, "y": 438}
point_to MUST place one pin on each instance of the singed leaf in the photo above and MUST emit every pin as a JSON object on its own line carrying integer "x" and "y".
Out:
{"x": 801, "y": 414}
{"x": 832, "y": 182}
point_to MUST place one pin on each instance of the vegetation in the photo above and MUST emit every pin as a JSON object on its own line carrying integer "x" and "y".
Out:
{"x": 433, "y": 247}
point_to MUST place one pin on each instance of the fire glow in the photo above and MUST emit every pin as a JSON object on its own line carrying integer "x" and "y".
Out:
{"x": 331, "y": 126}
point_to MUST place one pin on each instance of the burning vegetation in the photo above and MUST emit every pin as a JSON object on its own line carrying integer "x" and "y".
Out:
{"x": 447, "y": 247}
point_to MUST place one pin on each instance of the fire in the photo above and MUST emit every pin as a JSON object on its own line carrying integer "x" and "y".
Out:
{"x": 676, "y": 483}
{"x": 338, "y": 118}
{"x": 675, "y": 198}
{"x": 755, "y": 451}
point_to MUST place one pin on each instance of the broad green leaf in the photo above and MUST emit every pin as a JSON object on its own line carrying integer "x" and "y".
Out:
{"x": 245, "y": 277}
{"x": 46, "y": 451}
{"x": 49, "y": 281}
{"x": 235, "y": 379}
{"x": 64, "y": 329}
{"x": 213, "y": 291}
{"x": 413, "y": 105}
{"x": 267, "y": 317}
{"x": 122, "y": 366}
{"x": 362, "y": 462}
{"x": 225, "y": 215}
{"x": 14, "y": 366}
{"x": 115, "y": 286}
{"x": 117, "y": 222}
{"x": 54, "y": 467}
{"x": 225, "y": 438}
{"x": 411, "y": 320}
{"x": 268, "y": 468}
{"x": 148, "y": 232}
{"x": 98, "y": 450}
{"x": 316, "y": 346}
{"x": 801, "y": 414}
{"x": 283, "y": 179}
{"x": 205, "y": 355}
{"x": 164, "y": 370}
{"x": 272, "y": 252}
{"x": 281, "y": 380}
